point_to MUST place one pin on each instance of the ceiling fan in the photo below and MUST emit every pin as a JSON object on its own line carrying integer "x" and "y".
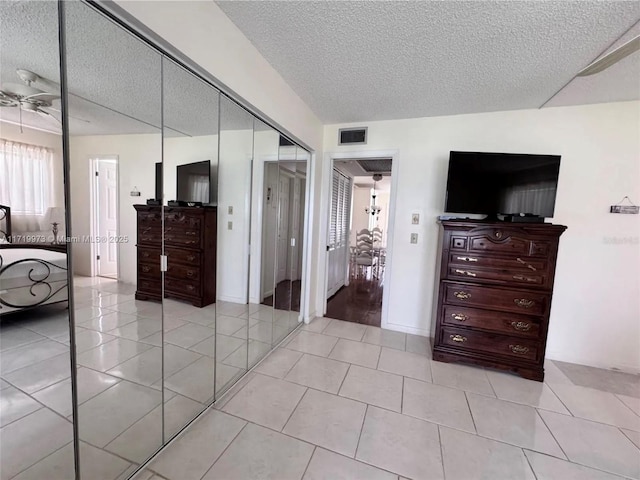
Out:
{"x": 612, "y": 57}
{"x": 29, "y": 98}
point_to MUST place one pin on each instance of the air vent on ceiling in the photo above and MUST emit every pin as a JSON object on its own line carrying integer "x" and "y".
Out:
{"x": 378, "y": 165}
{"x": 351, "y": 136}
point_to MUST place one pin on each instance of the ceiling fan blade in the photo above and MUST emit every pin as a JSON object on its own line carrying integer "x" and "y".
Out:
{"x": 47, "y": 114}
{"x": 43, "y": 97}
{"x": 611, "y": 58}
{"x": 7, "y": 101}
{"x": 70, "y": 116}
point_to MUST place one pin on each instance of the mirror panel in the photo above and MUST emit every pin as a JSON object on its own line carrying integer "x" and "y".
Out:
{"x": 114, "y": 87}
{"x": 36, "y": 432}
{"x": 190, "y": 166}
{"x": 234, "y": 197}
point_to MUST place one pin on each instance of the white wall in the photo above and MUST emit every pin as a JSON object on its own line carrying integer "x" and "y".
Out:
{"x": 137, "y": 156}
{"x": 595, "y": 317}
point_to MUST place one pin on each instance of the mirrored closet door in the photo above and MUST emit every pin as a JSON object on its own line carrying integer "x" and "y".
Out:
{"x": 36, "y": 407}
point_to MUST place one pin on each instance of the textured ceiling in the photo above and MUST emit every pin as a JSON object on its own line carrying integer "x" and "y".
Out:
{"x": 359, "y": 61}
{"x": 114, "y": 79}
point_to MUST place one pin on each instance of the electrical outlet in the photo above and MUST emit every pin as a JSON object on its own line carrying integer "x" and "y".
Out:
{"x": 230, "y": 210}
{"x": 414, "y": 238}
{"x": 415, "y": 219}
{"x": 229, "y": 225}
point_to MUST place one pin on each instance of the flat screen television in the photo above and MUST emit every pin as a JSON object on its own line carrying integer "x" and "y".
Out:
{"x": 502, "y": 184}
{"x": 194, "y": 182}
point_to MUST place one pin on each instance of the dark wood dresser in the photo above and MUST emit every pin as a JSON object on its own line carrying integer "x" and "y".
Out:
{"x": 190, "y": 247}
{"x": 496, "y": 284}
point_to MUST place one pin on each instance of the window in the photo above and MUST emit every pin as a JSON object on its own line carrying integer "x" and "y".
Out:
{"x": 26, "y": 173}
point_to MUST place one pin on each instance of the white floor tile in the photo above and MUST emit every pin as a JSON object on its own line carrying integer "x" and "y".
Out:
{"x": 373, "y": 387}
{"x": 258, "y": 452}
{"x": 32, "y": 438}
{"x": 528, "y": 392}
{"x": 29, "y": 354}
{"x": 326, "y": 465}
{"x": 462, "y": 377}
{"x": 109, "y": 321}
{"x": 317, "y": 325}
{"x": 319, "y": 373}
{"x": 632, "y": 402}
{"x": 385, "y": 338}
{"x": 195, "y": 381}
{"x": 551, "y": 468}
{"x": 279, "y": 362}
{"x": 438, "y": 404}
{"x": 512, "y": 423}
{"x": 87, "y": 339}
{"x": 327, "y": 420}
{"x": 418, "y": 344}
{"x": 188, "y": 335}
{"x": 596, "y": 405}
{"x": 39, "y": 375}
{"x": 469, "y": 457}
{"x": 14, "y": 405}
{"x": 348, "y": 330}
{"x": 266, "y": 401}
{"x": 594, "y": 444}
{"x": 14, "y": 336}
{"x": 106, "y": 356}
{"x": 405, "y": 363}
{"x": 358, "y": 353}
{"x": 633, "y": 436}
{"x": 400, "y": 444}
{"x": 139, "y": 329}
{"x": 313, "y": 343}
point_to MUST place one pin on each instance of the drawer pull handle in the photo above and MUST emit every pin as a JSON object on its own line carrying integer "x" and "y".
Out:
{"x": 522, "y": 277}
{"x": 462, "y": 295}
{"x": 145, "y": 254}
{"x": 467, "y": 259}
{"x": 521, "y": 326}
{"x": 465, "y": 272}
{"x": 191, "y": 232}
{"x": 191, "y": 258}
{"x": 519, "y": 349}
{"x": 498, "y": 234}
{"x": 190, "y": 273}
{"x": 523, "y": 302}
{"x": 529, "y": 266}
{"x": 458, "y": 338}
{"x": 146, "y": 269}
{"x": 461, "y": 317}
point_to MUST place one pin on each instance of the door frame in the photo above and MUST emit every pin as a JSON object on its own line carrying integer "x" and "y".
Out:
{"x": 93, "y": 201}
{"x": 323, "y": 283}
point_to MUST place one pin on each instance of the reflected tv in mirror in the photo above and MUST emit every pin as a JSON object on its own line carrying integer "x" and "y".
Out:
{"x": 194, "y": 182}
{"x": 502, "y": 183}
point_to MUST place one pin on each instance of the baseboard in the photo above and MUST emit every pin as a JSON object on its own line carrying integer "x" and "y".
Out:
{"x": 231, "y": 299}
{"x": 310, "y": 317}
{"x": 405, "y": 329}
{"x": 562, "y": 356}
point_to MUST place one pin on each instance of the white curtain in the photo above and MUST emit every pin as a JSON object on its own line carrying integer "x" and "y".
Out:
{"x": 199, "y": 188}
{"x": 26, "y": 176}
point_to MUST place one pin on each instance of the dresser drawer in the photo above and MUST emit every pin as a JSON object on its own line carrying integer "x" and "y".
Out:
{"x": 149, "y": 284}
{"x": 182, "y": 287}
{"x": 182, "y": 272}
{"x": 149, "y": 219}
{"x": 150, "y": 235}
{"x": 179, "y": 221}
{"x": 509, "y": 323}
{"x": 185, "y": 257}
{"x": 503, "y": 299}
{"x": 149, "y": 255}
{"x": 490, "y": 343}
{"x": 512, "y": 278}
{"x": 188, "y": 238}
{"x": 526, "y": 264}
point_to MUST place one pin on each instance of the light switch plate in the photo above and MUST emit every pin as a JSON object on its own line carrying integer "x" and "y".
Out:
{"x": 415, "y": 219}
{"x": 229, "y": 225}
{"x": 230, "y": 210}
{"x": 414, "y": 238}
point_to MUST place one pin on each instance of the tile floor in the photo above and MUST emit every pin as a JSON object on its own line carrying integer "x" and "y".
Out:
{"x": 315, "y": 410}
{"x": 120, "y": 362}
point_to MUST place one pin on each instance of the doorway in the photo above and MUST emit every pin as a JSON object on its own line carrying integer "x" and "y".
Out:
{"x": 105, "y": 216}
{"x": 358, "y": 245}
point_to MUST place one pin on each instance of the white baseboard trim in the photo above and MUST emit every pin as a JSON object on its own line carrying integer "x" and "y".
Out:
{"x": 231, "y": 298}
{"x": 405, "y": 329}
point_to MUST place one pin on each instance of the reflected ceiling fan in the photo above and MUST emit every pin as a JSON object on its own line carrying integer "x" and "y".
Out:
{"x": 611, "y": 58}
{"x": 29, "y": 98}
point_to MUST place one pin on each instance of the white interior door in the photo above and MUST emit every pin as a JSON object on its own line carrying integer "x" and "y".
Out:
{"x": 283, "y": 228}
{"x": 338, "y": 247}
{"x": 107, "y": 217}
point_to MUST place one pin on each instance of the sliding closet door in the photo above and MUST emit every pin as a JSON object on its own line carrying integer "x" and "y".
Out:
{"x": 234, "y": 219}
{"x": 36, "y": 432}
{"x": 189, "y": 176}
{"x": 114, "y": 96}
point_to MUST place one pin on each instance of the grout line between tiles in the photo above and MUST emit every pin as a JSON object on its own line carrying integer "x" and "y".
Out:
{"x": 315, "y": 447}
{"x": 524, "y": 452}
{"x": 471, "y": 412}
{"x": 219, "y": 456}
{"x": 364, "y": 417}
{"x": 444, "y": 475}
{"x": 566, "y": 457}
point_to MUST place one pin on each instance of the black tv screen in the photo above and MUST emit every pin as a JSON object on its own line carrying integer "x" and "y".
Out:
{"x": 502, "y": 183}
{"x": 194, "y": 182}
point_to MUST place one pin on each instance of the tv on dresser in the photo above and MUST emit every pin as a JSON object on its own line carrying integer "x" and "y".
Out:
{"x": 496, "y": 277}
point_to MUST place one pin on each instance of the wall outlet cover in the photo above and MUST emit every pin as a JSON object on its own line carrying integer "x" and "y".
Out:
{"x": 414, "y": 238}
{"x": 415, "y": 219}
{"x": 230, "y": 210}
{"x": 229, "y": 225}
